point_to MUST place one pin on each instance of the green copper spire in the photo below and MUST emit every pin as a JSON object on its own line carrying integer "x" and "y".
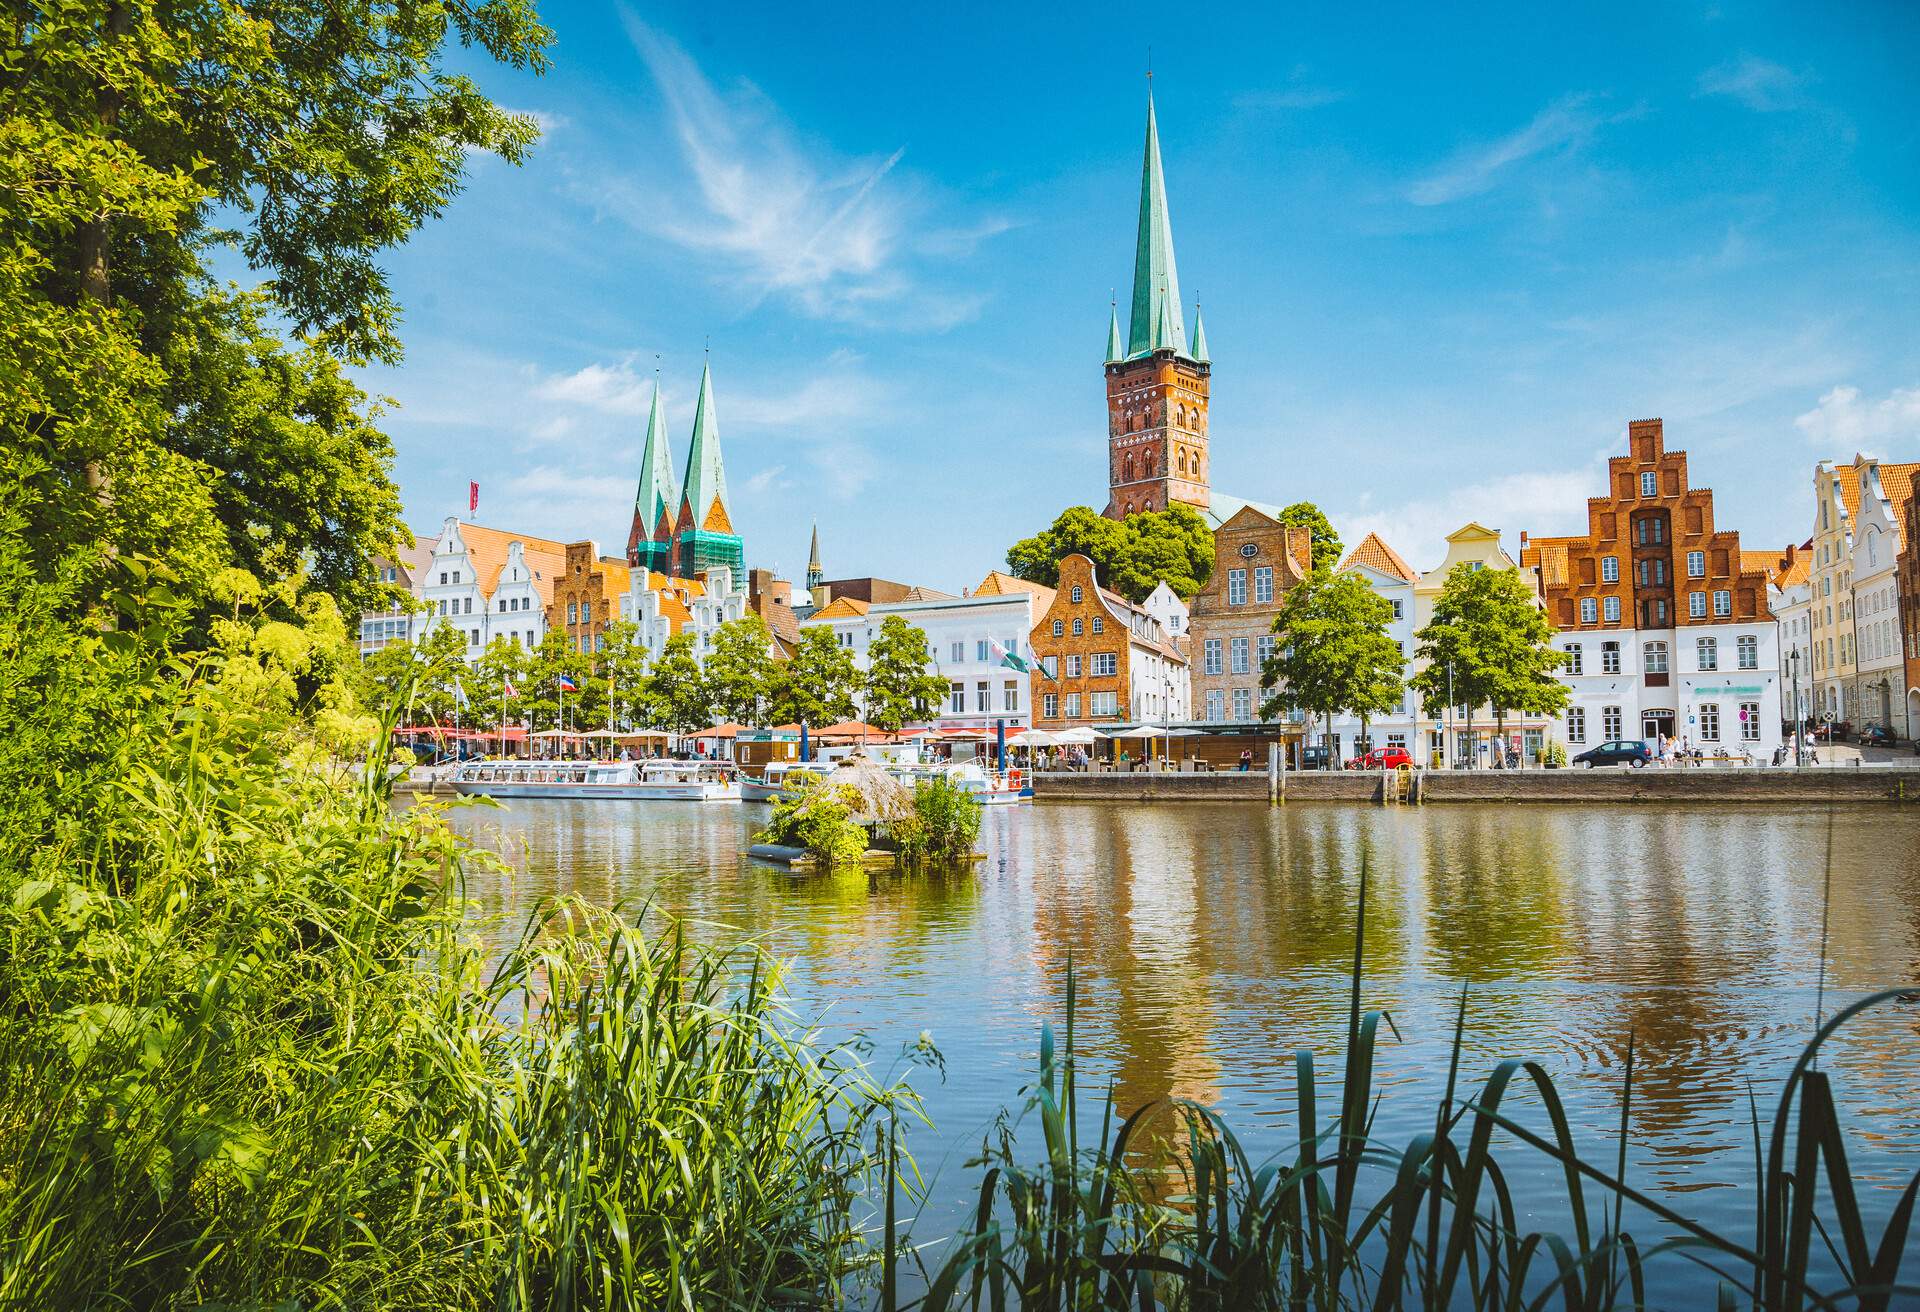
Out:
{"x": 1199, "y": 336}
{"x": 704, "y": 536}
{"x": 1115, "y": 352}
{"x": 1156, "y": 321}
{"x": 658, "y": 499}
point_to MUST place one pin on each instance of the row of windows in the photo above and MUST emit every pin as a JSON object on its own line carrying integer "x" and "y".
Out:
{"x": 1239, "y": 651}
{"x": 983, "y": 697}
{"x": 580, "y": 612}
{"x": 508, "y": 604}
{"x": 1099, "y": 705}
{"x": 1242, "y": 706}
{"x": 1262, "y": 586}
{"x": 1591, "y": 608}
{"x": 1079, "y": 627}
{"x": 1707, "y": 714}
{"x": 1706, "y": 654}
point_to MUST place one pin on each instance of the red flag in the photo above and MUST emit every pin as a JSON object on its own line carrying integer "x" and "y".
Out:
{"x": 473, "y": 498}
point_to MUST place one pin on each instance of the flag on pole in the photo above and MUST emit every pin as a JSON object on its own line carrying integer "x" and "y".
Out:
{"x": 1010, "y": 659}
{"x": 459, "y": 693}
{"x": 567, "y": 684}
{"x": 473, "y": 498}
{"x": 507, "y": 689}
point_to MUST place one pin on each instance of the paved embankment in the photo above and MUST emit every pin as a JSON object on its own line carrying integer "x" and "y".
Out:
{"x": 1863, "y": 784}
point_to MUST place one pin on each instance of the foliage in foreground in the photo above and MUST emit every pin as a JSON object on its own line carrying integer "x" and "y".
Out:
{"x": 944, "y": 824}
{"x": 251, "y": 1054}
{"x": 1351, "y": 1221}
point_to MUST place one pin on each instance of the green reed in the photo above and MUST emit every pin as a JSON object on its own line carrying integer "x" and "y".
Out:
{"x": 1347, "y": 1220}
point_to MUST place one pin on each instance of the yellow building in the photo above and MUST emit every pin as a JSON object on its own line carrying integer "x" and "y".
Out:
{"x": 1477, "y": 547}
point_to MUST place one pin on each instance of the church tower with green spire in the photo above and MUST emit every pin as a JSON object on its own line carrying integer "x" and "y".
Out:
{"x": 703, "y": 535}
{"x": 1157, "y": 384}
{"x": 657, "y": 503}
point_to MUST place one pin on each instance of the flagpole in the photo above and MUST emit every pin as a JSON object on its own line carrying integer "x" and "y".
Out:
{"x": 503, "y": 713}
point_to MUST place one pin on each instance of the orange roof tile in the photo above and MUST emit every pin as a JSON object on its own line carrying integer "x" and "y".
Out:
{"x": 841, "y": 608}
{"x": 997, "y": 584}
{"x": 487, "y": 548}
{"x": 1375, "y": 554}
{"x": 1849, "y": 490}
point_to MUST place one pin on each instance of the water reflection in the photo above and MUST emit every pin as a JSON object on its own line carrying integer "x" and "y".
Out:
{"x": 1209, "y": 942}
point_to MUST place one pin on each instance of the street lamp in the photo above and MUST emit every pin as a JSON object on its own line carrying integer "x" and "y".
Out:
{"x": 1799, "y": 749}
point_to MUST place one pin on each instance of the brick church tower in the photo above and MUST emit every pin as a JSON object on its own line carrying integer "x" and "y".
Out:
{"x": 1156, "y": 382}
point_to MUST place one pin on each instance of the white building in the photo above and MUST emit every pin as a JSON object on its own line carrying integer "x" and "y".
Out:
{"x": 968, "y": 641}
{"x": 1790, "y": 599}
{"x": 665, "y": 606}
{"x": 1164, "y": 604}
{"x": 1879, "y": 658}
{"x": 1393, "y": 579}
{"x": 484, "y": 582}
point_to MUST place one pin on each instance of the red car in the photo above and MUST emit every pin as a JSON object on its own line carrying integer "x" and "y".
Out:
{"x": 1381, "y": 758}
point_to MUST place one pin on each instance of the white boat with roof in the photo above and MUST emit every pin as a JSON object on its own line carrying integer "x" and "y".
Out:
{"x": 768, "y": 787}
{"x": 988, "y": 787}
{"x": 628, "y": 781}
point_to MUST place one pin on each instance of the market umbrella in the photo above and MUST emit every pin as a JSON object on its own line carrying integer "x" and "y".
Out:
{"x": 883, "y": 798}
{"x": 1078, "y": 736}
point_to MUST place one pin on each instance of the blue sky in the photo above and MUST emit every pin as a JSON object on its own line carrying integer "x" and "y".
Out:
{"x": 1444, "y": 260}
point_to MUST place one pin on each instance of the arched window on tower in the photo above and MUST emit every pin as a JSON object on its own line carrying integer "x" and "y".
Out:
{"x": 1183, "y": 460}
{"x": 1129, "y": 468}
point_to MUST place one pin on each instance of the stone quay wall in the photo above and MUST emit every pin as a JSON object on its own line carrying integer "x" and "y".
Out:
{"x": 1810, "y": 787}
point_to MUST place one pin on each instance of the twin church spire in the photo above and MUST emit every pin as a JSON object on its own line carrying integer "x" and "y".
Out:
{"x": 684, "y": 528}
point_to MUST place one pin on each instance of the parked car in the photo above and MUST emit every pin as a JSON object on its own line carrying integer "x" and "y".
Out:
{"x": 1315, "y": 758}
{"x": 1877, "y": 735}
{"x": 1381, "y": 758}
{"x": 1625, "y": 751}
{"x": 1832, "y": 733}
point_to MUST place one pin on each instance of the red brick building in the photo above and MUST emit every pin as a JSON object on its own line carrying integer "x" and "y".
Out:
{"x": 1104, "y": 660}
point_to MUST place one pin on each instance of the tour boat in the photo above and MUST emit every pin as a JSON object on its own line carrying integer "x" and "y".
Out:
{"x": 767, "y": 788}
{"x": 630, "y": 781}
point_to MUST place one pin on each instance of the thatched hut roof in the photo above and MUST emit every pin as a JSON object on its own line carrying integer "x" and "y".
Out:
{"x": 883, "y": 798}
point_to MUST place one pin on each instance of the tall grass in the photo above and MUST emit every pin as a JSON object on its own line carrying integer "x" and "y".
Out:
{"x": 1347, "y": 1220}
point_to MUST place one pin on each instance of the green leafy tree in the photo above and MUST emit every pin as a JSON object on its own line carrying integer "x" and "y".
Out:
{"x": 819, "y": 685}
{"x": 901, "y": 682}
{"x": 1334, "y": 653}
{"x": 677, "y": 694}
{"x": 1133, "y": 555}
{"x": 1325, "y": 542}
{"x": 501, "y": 666}
{"x": 623, "y": 662}
{"x": 545, "y": 704}
{"x": 1490, "y": 641}
{"x": 741, "y": 671}
{"x": 440, "y": 659}
{"x": 149, "y": 409}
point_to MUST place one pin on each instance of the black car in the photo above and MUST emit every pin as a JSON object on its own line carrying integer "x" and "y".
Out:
{"x": 1626, "y": 751}
{"x": 1877, "y": 735}
{"x": 1315, "y": 758}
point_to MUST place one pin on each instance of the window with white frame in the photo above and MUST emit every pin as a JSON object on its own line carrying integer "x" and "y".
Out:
{"x": 1216, "y": 706}
{"x": 980, "y": 650}
{"x": 1210, "y": 656}
{"x": 586, "y": 611}
{"x": 1697, "y": 605}
{"x": 1238, "y": 649}
{"x": 1589, "y": 610}
{"x": 1750, "y": 722}
{"x": 1576, "y": 724}
{"x": 957, "y": 698}
{"x": 1613, "y": 610}
{"x": 1399, "y": 609}
{"x": 1609, "y": 658}
{"x": 1708, "y": 650}
{"x": 1649, "y": 484}
{"x": 1722, "y": 602}
{"x": 960, "y": 648}
{"x": 1059, "y": 628}
{"x": 1747, "y": 647}
{"x": 1103, "y": 703}
{"x": 1265, "y": 648}
{"x": 1073, "y": 706}
{"x": 1099, "y": 624}
{"x": 983, "y": 697}
{"x": 1263, "y": 583}
{"x": 1051, "y": 664}
{"x": 1079, "y": 626}
{"x": 1073, "y": 667}
{"x": 1609, "y": 723}
{"x": 1010, "y": 695}
{"x": 1050, "y": 706}
{"x": 573, "y": 613}
{"x": 1242, "y": 705}
{"x": 1106, "y": 664}
{"x": 1236, "y": 587}
{"x": 1609, "y": 569}
{"x": 1075, "y": 594}
{"x": 1573, "y": 652}
{"x": 1656, "y": 658}
{"x": 1696, "y": 564}
{"x": 1710, "y": 722}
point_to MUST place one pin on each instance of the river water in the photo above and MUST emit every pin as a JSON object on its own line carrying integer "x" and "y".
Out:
{"x": 1210, "y": 941}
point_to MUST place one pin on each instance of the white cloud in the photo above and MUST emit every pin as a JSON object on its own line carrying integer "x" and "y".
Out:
{"x": 834, "y": 236}
{"x": 611, "y": 389}
{"x": 1759, "y": 84}
{"x": 1564, "y": 125}
{"x": 1844, "y": 422}
{"x": 1542, "y": 502}
{"x": 566, "y": 503}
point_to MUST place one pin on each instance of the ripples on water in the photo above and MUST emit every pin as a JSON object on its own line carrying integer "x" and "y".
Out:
{"x": 1210, "y": 941}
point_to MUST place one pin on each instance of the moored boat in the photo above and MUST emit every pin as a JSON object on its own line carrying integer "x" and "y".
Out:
{"x": 768, "y": 786}
{"x": 632, "y": 781}
{"x": 988, "y": 787}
